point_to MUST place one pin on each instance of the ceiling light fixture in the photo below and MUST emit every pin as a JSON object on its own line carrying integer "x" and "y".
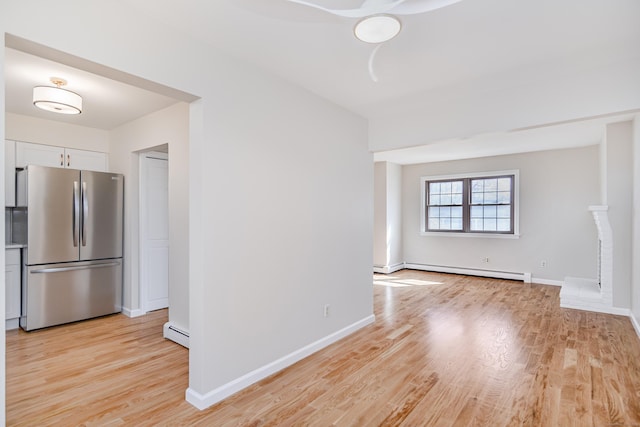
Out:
{"x": 56, "y": 99}
{"x": 377, "y": 28}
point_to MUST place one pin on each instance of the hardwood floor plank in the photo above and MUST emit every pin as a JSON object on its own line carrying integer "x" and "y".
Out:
{"x": 445, "y": 350}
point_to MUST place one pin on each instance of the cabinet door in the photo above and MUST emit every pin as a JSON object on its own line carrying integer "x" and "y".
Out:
{"x": 12, "y": 284}
{"x": 10, "y": 173}
{"x": 38, "y": 154}
{"x": 85, "y": 160}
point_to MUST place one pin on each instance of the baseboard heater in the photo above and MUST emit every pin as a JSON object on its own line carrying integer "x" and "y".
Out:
{"x": 525, "y": 277}
{"x": 176, "y": 335}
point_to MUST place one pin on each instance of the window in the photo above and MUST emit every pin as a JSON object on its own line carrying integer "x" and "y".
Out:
{"x": 471, "y": 204}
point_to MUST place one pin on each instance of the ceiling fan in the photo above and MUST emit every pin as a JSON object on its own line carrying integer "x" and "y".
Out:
{"x": 377, "y": 21}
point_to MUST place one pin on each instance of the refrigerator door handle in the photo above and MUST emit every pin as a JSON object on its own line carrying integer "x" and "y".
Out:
{"x": 85, "y": 213}
{"x": 81, "y": 267}
{"x": 76, "y": 212}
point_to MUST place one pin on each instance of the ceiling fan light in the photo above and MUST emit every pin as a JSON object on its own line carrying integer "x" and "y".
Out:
{"x": 57, "y": 100}
{"x": 377, "y": 28}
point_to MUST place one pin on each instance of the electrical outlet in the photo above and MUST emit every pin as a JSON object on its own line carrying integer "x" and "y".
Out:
{"x": 485, "y": 260}
{"x": 326, "y": 310}
{"x": 543, "y": 263}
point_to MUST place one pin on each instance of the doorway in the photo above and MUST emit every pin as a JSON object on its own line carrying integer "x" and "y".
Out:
{"x": 154, "y": 230}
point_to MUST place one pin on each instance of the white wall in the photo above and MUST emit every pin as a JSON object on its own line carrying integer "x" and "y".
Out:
{"x": 619, "y": 187}
{"x": 556, "y": 187}
{"x": 380, "y": 254}
{"x": 635, "y": 261}
{"x": 387, "y": 245}
{"x": 169, "y": 126}
{"x": 49, "y": 132}
{"x": 281, "y": 218}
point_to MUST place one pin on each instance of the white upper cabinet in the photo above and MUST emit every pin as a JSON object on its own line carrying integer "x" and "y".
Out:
{"x": 47, "y": 155}
{"x": 9, "y": 173}
{"x": 87, "y": 160}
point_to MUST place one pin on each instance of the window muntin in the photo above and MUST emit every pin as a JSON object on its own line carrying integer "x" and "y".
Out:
{"x": 471, "y": 204}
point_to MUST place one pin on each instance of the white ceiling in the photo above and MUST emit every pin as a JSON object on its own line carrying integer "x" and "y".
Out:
{"x": 473, "y": 42}
{"x": 107, "y": 103}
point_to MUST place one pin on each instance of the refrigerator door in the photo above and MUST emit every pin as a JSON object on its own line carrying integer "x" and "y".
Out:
{"x": 61, "y": 293}
{"x": 102, "y": 212}
{"x": 53, "y": 209}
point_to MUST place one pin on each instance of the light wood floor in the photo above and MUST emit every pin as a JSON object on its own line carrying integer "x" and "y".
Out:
{"x": 445, "y": 350}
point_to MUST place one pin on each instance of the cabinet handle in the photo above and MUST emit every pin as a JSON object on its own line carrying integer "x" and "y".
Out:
{"x": 68, "y": 160}
{"x": 61, "y": 159}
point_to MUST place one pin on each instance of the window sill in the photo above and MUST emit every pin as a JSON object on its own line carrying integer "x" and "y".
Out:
{"x": 472, "y": 235}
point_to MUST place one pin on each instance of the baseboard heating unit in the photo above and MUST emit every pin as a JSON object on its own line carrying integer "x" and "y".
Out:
{"x": 524, "y": 277}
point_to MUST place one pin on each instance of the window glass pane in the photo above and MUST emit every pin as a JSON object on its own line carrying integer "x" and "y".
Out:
{"x": 456, "y": 199}
{"x": 434, "y": 224}
{"x": 504, "y": 197}
{"x": 434, "y": 199}
{"x": 476, "y": 198}
{"x": 476, "y": 212}
{"x": 491, "y": 198}
{"x": 434, "y": 188}
{"x": 456, "y": 212}
{"x": 456, "y": 187}
{"x": 476, "y": 224}
{"x": 476, "y": 185}
{"x": 504, "y": 211}
{"x": 434, "y": 212}
{"x": 445, "y": 188}
{"x": 445, "y": 223}
{"x": 445, "y": 212}
{"x": 490, "y": 184}
{"x": 445, "y": 199}
{"x": 504, "y": 184}
{"x": 490, "y": 212}
{"x": 504, "y": 225}
{"x": 490, "y": 224}
{"x": 456, "y": 223}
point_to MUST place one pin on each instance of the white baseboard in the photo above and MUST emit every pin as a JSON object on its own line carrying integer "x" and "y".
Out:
{"x": 137, "y": 312}
{"x": 12, "y": 324}
{"x": 203, "y": 401}
{"x": 525, "y": 277}
{"x": 598, "y": 309}
{"x": 547, "y": 281}
{"x": 635, "y": 323}
{"x": 387, "y": 269}
{"x": 175, "y": 334}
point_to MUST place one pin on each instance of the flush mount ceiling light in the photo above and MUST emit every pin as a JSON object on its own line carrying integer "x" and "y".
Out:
{"x": 56, "y": 99}
{"x": 377, "y": 28}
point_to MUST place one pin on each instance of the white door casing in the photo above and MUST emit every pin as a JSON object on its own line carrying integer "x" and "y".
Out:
{"x": 154, "y": 231}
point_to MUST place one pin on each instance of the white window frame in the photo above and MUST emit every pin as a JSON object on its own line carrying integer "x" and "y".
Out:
{"x": 489, "y": 174}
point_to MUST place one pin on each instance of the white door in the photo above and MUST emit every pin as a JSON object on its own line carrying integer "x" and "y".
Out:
{"x": 154, "y": 231}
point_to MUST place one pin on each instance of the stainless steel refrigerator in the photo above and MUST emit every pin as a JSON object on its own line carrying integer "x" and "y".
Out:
{"x": 72, "y": 265}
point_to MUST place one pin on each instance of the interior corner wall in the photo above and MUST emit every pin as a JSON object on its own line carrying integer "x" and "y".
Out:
{"x": 387, "y": 247}
{"x": 168, "y": 126}
{"x": 635, "y": 261}
{"x": 3, "y": 131}
{"x": 394, "y": 213}
{"x": 619, "y": 184}
{"x": 556, "y": 188}
{"x": 380, "y": 253}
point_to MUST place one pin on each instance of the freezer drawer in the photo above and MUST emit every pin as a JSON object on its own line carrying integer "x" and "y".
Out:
{"x": 62, "y": 293}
